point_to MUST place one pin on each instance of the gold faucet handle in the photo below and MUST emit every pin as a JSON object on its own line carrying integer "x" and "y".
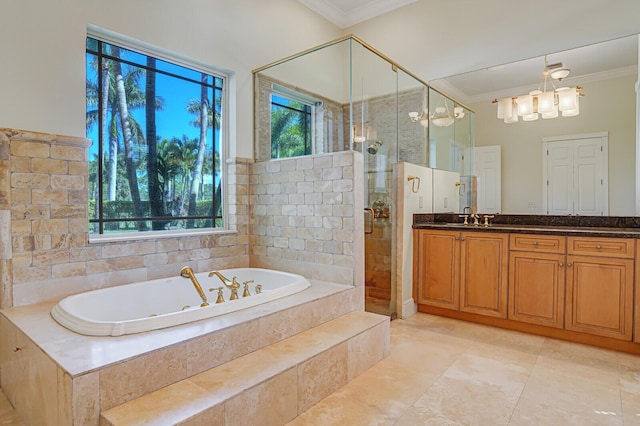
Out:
{"x": 258, "y": 288}
{"x": 246, "y": 292}
{"x": 486, "y": 219}
{"x": 234, "y": 282}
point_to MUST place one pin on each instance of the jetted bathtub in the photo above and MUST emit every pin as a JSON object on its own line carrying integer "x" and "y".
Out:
{"x": 155, "y": 304}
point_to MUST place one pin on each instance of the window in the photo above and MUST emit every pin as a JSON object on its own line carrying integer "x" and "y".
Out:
{"x": 156, "y": 129}
{"x": 290, "y": 127}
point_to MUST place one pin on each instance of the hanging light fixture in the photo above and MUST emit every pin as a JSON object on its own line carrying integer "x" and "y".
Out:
{"x": 541, "y": 102}
{"x": 441, "y": 118}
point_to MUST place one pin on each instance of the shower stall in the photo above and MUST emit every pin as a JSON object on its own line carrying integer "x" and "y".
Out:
{"x": 346, "y": 95}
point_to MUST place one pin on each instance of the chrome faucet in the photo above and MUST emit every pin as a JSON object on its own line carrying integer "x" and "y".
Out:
{"x": 187, "y": 272}
{"x": 229, "y": 283}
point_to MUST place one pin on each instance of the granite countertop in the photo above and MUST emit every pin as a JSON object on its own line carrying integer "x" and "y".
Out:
{"x": 590, "y": 226}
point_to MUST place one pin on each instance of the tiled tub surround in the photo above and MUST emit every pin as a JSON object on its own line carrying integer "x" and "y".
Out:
{"x": 306, "y": 217}
{"x": 44, "y": 244}
{"x": 54, "y": 376}
{"x": 301, "y": 215}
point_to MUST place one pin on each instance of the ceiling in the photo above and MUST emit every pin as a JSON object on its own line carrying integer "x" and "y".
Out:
{"x": 589, "y": 63}
{"x": 599, "y": 61}
{"x": 345, "y": 13}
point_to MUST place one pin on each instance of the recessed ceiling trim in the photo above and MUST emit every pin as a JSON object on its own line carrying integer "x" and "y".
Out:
{"x": 336, "y": 12}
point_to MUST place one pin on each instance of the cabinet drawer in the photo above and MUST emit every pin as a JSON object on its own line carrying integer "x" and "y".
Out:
{"x": 605, "y": 247}
{"x": 535, "y": 243}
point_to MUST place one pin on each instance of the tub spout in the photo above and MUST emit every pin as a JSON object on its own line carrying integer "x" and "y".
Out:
{"x": 232, "y": 283}
{"x": 187, "y": 272}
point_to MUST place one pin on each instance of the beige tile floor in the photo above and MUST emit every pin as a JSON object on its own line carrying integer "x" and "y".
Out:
{"x": 448, "y": 372}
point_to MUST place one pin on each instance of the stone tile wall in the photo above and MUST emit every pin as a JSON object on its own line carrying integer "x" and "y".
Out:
{"x": 45, "y": 251}
{"x": 301, "y": 215}
{"x": 307, "y": 216}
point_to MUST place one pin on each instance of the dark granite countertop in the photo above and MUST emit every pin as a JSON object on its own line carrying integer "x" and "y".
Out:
{"x": 591, "y": 226}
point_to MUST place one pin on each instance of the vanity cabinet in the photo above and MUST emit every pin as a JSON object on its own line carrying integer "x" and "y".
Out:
{"x": 599, "y": 295}
{"x": 537, "y": 279}
{"x": 465, "y": 271}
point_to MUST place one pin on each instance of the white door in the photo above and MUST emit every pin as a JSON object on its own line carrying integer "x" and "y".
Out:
{"x": 575, "y": 175}
{"x": 488, "y": 170}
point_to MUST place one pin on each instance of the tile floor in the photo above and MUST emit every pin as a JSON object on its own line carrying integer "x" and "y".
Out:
{"x": 448, "y": 372}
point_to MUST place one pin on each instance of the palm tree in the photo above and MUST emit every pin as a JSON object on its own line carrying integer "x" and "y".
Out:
{"x": 155, "y": 193}
{"x": 206, "y": 117}
{"x": 287, "y": 138}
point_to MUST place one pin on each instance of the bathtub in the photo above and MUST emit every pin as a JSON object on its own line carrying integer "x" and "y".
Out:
{"x": 156, "y": 304}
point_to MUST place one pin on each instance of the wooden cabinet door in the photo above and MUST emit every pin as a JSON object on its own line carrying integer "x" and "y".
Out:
{"x": 600, "y": 296}
{"x": 483, "y": 273}
{"x": 438, "y": 265}
{"x": 536, "y": 288}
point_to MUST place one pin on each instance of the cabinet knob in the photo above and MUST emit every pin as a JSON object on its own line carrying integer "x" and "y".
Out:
{"x": 462, "y": 239}
{"x": 569, "y": 264}
{"x": 598, "y": 246}
{"x": 561, "y": 264}
{"x": 535, "y": 243}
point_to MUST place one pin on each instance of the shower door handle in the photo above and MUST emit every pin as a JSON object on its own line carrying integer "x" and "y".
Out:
{"x": 370, "y": 211}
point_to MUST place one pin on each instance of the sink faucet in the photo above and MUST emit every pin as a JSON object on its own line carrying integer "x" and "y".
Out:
{"x": 187, "y": 272}
{"x": 229, "y": 283}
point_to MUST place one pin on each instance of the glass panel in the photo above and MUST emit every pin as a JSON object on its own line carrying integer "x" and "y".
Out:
{"x": 443, "y": 151}
{"x": 413, "y": 120}
{"x": 318, "y": 78}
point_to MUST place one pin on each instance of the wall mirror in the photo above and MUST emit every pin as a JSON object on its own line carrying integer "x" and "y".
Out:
{"x": 606, "y": 73}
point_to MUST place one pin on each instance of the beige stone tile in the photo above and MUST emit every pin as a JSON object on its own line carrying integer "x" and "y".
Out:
{"x": 274, "y": 402}
{"x": 322, "y": 375}
{"x": 440, "y": 351}
{"x": 416, "y": 416}
{"x": 630, "y": 408}
{"x": 475, "y": 390}
{"x": 180, "y": 402}
{"x": 389, "y": 380}
{"x": 8, "y": 416}
{"x": 86, "y": 399}
{"x": 566, "y": 392}
{"x": 576, "y": 353}
{"x": 231, "y": 378}
{"x": 368, "y": 348}
{"x": 125, "y": 381}
{"x": 343, "y": 408}
{"x": 214, "y": 349}
{"x": 65, "y": 399}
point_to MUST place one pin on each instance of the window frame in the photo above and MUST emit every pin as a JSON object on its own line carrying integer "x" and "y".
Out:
{"x": 295, "y": 96}
{"x": 177, "y": 59}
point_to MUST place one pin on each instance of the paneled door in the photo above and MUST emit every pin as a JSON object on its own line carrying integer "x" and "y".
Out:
{"x": 575, "y": 175}
{"x": 487, "y": 168}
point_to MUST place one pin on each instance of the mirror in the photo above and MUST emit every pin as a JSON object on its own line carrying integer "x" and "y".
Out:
{"x": 607, "y": 73}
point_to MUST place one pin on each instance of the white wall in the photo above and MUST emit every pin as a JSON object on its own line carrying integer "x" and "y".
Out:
{"x": 412, "y": 202}
{"x": 42, "y": 45}
{"x": 446, "y": 195}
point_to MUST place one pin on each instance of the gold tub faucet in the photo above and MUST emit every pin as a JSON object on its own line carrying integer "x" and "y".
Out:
{"x": 231, "y": 284}
{"x": 187, "y": 272}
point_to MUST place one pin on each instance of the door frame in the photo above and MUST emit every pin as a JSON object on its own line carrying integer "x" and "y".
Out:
{"x": 604, "y": 136}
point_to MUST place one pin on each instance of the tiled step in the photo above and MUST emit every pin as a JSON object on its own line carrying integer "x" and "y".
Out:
{"x": 270, "y": 386}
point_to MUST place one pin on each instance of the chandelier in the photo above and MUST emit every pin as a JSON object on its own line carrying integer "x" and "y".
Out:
{"x": 541, "y": 102}
{"x": 441, "y": 118}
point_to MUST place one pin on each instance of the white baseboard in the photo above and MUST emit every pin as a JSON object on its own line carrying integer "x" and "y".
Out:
{"x": 409, "y": 308}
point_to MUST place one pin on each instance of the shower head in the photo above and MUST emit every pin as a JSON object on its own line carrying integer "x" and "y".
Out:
{"x": 373, "y": 148}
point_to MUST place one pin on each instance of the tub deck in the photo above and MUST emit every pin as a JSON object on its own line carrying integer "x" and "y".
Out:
{"x": 93, "y": 374}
